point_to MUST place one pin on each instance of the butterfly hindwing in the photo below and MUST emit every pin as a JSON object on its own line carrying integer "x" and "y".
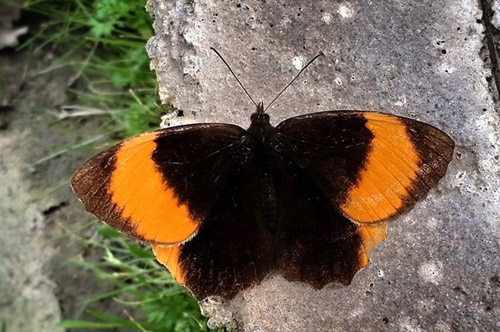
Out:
{"x": 372, "y": 165}
{"x": 233, "y": 248}
{"x": 158, "y": 186}
{"x": 315, "y": 243}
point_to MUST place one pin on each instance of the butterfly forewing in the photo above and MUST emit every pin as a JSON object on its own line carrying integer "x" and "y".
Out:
{"x": 144, "y": 187}
{"x": 372, "y": 165}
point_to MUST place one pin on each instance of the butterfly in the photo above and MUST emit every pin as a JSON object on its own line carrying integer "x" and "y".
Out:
{"x": 223, "y": 207}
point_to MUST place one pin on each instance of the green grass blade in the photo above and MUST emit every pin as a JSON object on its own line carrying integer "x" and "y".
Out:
{"x": 123, "y": 42}
{"x": 82, "y": 324}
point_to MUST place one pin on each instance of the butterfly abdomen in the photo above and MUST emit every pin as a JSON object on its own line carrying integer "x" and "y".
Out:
{"x": 266, "y": 169}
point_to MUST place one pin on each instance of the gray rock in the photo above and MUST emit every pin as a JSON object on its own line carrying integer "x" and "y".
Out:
{"x": 9, "y": 37}
{"x": 496, "y": 14}
{"x": 439, "y": 268}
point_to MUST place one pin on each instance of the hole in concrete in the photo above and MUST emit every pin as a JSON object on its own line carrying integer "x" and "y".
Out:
{"x": 495, "y": 280}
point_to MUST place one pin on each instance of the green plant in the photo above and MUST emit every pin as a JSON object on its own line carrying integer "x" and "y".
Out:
{"x": 143, "y": 282}
{"x": 103, "y": 42}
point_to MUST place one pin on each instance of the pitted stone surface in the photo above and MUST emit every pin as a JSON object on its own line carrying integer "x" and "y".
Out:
{"x": 439, "y": 268}
{"x": 496, "y": 14}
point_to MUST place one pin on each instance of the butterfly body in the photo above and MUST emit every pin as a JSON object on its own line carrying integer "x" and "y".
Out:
{"x": 224, "y": 207}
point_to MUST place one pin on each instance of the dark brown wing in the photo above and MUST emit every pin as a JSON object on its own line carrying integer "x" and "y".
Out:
{"x": 233, "y": 248}
{"x": 371, "y": 165}
{"x": 314, "y": 242}
{"x": 159, "y": 186}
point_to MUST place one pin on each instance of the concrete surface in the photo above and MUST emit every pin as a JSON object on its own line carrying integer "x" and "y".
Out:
{"x": 439, "y": 268}
{"x": 496, "y": 14}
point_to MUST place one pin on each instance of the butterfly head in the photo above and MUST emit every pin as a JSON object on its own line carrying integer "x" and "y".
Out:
{"x": 260, "y": 128}
{"x": 260, "y": 114}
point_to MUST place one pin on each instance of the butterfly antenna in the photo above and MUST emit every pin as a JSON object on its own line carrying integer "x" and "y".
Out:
{"x": 234, "y": 75}
{"x": 296, "y": 76}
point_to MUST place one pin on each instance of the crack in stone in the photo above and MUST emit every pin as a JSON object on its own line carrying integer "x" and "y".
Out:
{"x": 489, "y": 41}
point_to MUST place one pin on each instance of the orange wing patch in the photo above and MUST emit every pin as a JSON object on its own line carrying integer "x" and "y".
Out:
{"x": 144, "y": 199}
{"x": 370, "y": 235}
{"x": 169, "y": 256}
{"x": 389, "y": 171}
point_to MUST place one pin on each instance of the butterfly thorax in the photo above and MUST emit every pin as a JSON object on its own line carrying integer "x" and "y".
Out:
{"x": 260, "y": 130}
{"x": 260, "y": 127}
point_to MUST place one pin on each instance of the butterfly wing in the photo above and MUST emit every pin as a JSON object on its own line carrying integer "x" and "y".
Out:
{"x": 315, "y": 242}
{"x": 159, "y": 186}
{"x": 233, "y": 247}
{"x": 372, "y": 165}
